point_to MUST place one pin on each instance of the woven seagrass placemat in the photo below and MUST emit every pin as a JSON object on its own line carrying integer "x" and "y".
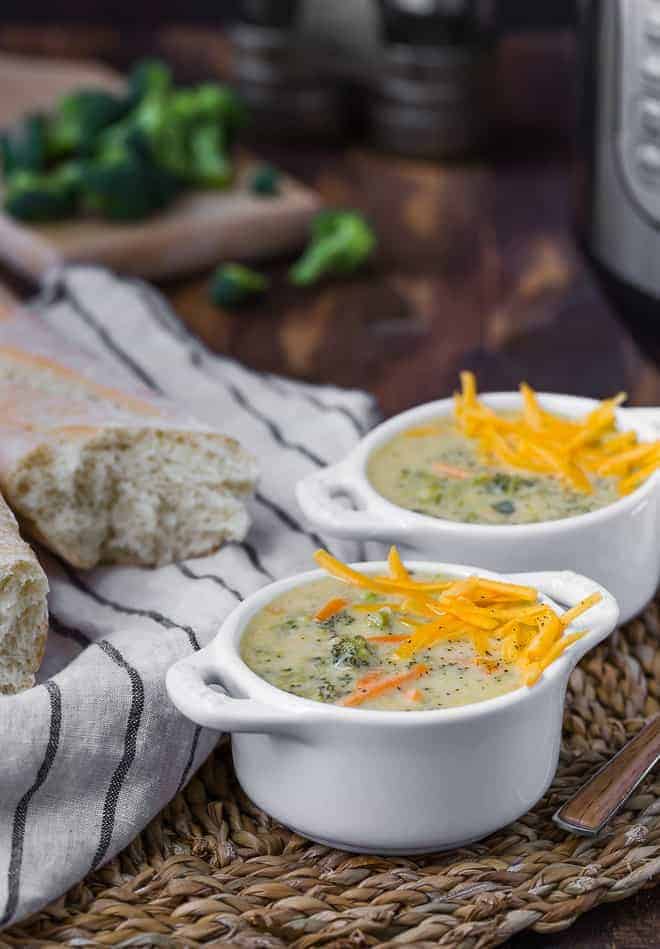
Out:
{"x": 212, "y": 868}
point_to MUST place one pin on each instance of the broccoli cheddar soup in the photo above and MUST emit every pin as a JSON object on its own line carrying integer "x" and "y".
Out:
{"x": 404, "y": 642}
{"x": 479, "y": 466}
{"x": 440, "y": 472}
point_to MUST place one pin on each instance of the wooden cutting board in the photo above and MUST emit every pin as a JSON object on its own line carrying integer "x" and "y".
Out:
{"x": 200, "y": 229}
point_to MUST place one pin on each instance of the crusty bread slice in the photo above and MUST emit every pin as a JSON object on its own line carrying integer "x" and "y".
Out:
{"x": 23, "y": 611}
{"x": 106, "y": 475}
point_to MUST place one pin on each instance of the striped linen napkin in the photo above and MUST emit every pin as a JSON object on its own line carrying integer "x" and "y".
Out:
{"x": 96, "y": 750}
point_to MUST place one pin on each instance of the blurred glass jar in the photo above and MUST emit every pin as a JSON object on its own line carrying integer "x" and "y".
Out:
{"x": 269, "y": 13}
{"x": 417, "y": 73}
{"x": 290, "y": 95}
{"x": 437, "y": 22}
{"x": 433, "y": 93}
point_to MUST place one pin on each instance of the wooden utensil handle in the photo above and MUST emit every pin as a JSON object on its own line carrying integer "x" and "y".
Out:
{"x": 600, "y": 798}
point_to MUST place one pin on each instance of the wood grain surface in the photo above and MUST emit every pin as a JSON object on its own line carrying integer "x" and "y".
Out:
{"x": 477, "y": 267}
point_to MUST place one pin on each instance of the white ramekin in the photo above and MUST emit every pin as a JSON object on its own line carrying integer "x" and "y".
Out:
{"x": 387, "y": 782}
{"x": 617, "y": 545}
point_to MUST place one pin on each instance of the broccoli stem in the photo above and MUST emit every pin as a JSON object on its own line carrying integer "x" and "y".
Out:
{"x": 314, "y": 263}
{"x": 210, "y": 165}
{"x": 341, "y": 242}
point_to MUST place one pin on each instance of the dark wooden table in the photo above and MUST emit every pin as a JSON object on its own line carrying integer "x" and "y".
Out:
{"x": 477, "y": 267}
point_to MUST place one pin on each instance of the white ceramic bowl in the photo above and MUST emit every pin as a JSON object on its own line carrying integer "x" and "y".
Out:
{"x": 617, "y": 545}
{"x": 387, "y": 782}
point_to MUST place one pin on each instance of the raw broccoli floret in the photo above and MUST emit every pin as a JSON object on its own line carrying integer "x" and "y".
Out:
{"x": 265, "y": 181}
{"x": 147, "y": 121}
{"x": 209, "y": 102}
{"x": 189, "y": 131}
{"x": 233, "y": 284}
{"x": 43, "y": 196}
{"x": 148, "y": 76}
{"x": 134, "y": 152}
{"x": 125, "y": 184}
{"x": 208, "y": 163}
{"x": 351, "y": 651}
{"x": 80, "y": 117}
{"x": 208, "y": 118}
{"x": 341, "y": 241}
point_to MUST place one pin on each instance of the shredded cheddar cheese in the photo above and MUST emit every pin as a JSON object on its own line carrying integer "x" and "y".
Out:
{"x": 537, "y": 440}
{"x": 503, "y": 621}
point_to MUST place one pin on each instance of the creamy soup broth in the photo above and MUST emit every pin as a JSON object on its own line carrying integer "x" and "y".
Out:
{"x": 404, "y": 471}
{"x": 323, "y": 661}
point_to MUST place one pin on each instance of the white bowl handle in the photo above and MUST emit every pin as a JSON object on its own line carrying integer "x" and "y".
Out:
{"x": 316, "y": 497}
{"x": 188, "y": 684}
{"x": 568, "y": 589}
{"x": 646, "y": 415}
